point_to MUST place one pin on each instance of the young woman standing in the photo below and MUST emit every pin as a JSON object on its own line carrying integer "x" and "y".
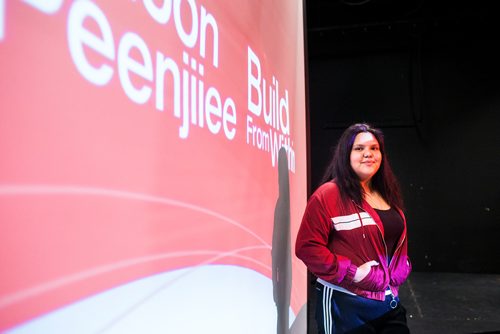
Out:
{"x": 353, "y": 239}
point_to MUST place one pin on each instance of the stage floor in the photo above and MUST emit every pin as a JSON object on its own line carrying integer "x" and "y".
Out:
{"x": 452, "y": 303}
{"x": 446, "y": 303}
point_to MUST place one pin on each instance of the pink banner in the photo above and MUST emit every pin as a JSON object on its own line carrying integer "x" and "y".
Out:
{"x": 141, "y": 137}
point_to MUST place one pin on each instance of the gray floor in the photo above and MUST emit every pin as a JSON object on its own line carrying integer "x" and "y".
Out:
{"x": 452, "y": 303}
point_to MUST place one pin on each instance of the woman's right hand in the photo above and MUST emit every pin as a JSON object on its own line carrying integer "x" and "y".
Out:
{"x": 363, "y": 270}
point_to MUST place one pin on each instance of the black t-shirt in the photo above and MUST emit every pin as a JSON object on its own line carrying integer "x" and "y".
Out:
{"x": 393, "y": 228}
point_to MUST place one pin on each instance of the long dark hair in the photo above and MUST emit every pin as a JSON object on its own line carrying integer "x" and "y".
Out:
{"x": 340, "y": 170}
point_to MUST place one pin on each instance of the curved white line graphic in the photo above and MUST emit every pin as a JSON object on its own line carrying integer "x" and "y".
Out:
{"x": 66, "y": 280}
{"x": 73, "y": 190}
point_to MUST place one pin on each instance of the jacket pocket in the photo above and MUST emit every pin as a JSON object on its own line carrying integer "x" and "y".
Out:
{"x": 374, "y": 281}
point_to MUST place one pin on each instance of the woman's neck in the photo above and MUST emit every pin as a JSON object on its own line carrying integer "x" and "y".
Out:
{"x": 367, "y": 187}
{"x": 373, "y": 197}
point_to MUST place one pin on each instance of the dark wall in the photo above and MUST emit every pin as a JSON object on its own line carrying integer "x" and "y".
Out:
{"x": 435, "y": 92}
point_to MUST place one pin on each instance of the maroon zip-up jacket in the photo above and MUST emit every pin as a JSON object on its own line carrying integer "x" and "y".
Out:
{"x": 333, "y": 241}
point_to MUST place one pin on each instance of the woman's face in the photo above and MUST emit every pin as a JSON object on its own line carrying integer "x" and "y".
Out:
{"x": 365, "y": 156}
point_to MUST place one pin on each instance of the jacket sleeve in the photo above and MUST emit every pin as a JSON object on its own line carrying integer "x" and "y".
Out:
{"x": 312, "y": 246}
{"x": 374, "y": 281}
